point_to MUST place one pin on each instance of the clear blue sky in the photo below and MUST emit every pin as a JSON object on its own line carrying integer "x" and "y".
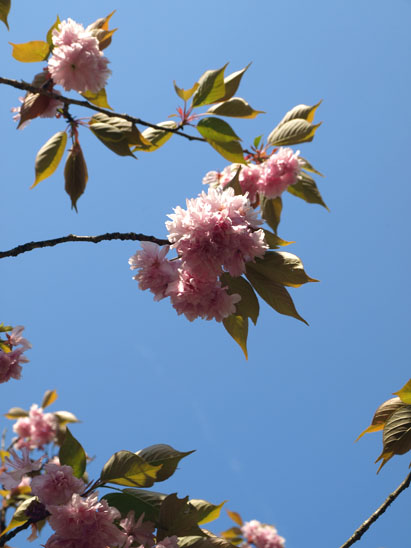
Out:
{"x": 274, "y": 435}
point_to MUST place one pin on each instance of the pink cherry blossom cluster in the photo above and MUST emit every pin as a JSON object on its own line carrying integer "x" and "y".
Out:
{"x": 262, "y": 535}
{"x": 19, "y": 467}
{"x": 77, "y": 62}
{"x": 217, "y": 232}
{"x": 36, "y": 430}
{"x": 269, "y": 178}
{"x": 10, "y": 361}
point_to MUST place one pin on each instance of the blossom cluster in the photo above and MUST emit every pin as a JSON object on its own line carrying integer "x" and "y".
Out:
{"x": 13, "y": 356}
{"x": 261, "y": 535}
{"x": 37, "y": 429}
{"x": 269, "y": 178}
{"x": 217, "y": 232}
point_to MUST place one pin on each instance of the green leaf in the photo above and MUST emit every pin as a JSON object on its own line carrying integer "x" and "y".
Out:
{"x": 49, "y": 37}
{"x": 231, "y": 83}
{"x": 31, "y": 52}
{"x": 271, "y": 211}
{"x": 396, "y": 437}
{"x": 206, "y": 511}
{"x": 405, "y": 392}
{"x": 308, "y": 167}
{"x": 275, "y": 294}
{"x": 99, "y": 99}
{"x": 185, "y": 94}
{"x": 214, "y": 129}
{"x": 236, "y": 107}
{"x": 257, "y": 141}
{"x": 306, "y": 189}
{"x": 177, "y": 517}
{"x": 235, "y": 516}
{"x": 111, "y": 135}
{"x": 235, "y": 183}
{"x": 292, "y": 133}
{"x": 72, "y": 454}
{"x": 231, "y": 151}
{"x": 75, "y": 174}
{"x": 282, "y": 267}
{"x": 303, "y": 112}
{"x": 49, "y": 157}
{"x": 139, "y": 500}
{"x": 19, "y": 516}
{"x": 211, "y": 87}
{"x": 126, "y": 468}
{"x": 16, "y": 413}
{"x": 384, "y": 411}
{"x": 5, "y": 328}
{"x": 164, "y": 455}
{"x": 237, "y": 327}
{"x": 248, "y": 307}
{"x": 4, "y": 11}
{"x": 206, "y": 541}
{"x": 65, "y": 417}
{"x": 274, "y": 241}
{"x": 49, "y": 397}
{"x": 157, "y": 137}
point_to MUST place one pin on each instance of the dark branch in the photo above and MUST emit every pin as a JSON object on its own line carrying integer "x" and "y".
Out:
{"x": 72, "y": 238}
{"x": 367, "y": 523}
{"x": 85, "y": 104}
{"x": 8, "y": 536}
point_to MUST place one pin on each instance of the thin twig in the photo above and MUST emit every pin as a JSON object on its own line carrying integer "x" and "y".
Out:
{"x": 368, "y": 522}
{"x": 85, "y": 104}
{"x": 14, "y": 532}
{"x": 29, "y": 246}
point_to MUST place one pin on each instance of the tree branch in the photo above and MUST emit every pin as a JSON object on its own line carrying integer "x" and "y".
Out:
{"x": 367, "y": 523}
{"x": 29, "y": 246}
{"x": 85, "y": 104}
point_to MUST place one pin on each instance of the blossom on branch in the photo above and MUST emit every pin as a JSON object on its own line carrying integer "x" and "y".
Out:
{"x": 11, "y": 360}
{"x": 279, "y": 172}
{"x": 56, "y": 485}
{"x": 37, "y": 429}
{"x": 77, "y": 62}
{"x": 140, "y": 533}
{"x": 262, "y": 535}
{"x": 20, "y": 466}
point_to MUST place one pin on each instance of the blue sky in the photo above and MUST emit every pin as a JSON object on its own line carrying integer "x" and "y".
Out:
{"x": 274, "y": 435}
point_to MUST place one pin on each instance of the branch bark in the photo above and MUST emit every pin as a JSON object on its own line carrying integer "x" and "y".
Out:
{"x": 29, "y": 246}
{"x": 368, "y": 522}
{"x": 85, "y": 104}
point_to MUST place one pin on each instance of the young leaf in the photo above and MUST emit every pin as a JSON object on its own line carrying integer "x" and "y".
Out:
{"x": 292, "y": 133}
{"x": 308, "y": 167}
{"x": 19, "y": 516}
{"x": 49, "y": 37}
{"x": 235, "y": 516}
{"x": 274, "y": 241}
{"x": 65, "y": 417}
{"x": 164, "y": 455}
{"x": 271, "y": 211}
{"x": 237, "y": 327}
{"x": 231, "y": 83}
{"x": 75, "y": 174}
{"x": 49, "y": 157}
{"x": 275, "y": 294}
{"x": 99, "y": 99}
{"x": 303, "y": 112}
{"x": 102, "y": 22}
{"x": 185, "y": 94}
{"x": 211, "y": 87}
{"x": 405, "y": 393}
{"x": 257, "y": 141}
{"x": 235, "y": 107}
{"x": 384, "y": 411}
{"x": 214, "y": 129}
{"x": 139, "y": 500}
{"x": 16, "y": 413}
{"x": 72, "y": 454}
{"x": 206, "y": 511}
{"x": 100, "y": 30}
{"x": 397, "y": 434}
{"x": 34, "y": 105}
{"x": 281, "y": 267}
{"x": 231, "y": 150}
{"x": 4, "y": 11}
{"x": 306, "y": 189}
{"x": 31, "y": 52}
{"x": 126, "y": 468}
{"x": 177, "y": 517}
{"x": 248, "y": 307}
{"x": 235, "y": 183}
{"x": 111, "y": 136}
{"x": 49, "y": 397}
{"x": 157, "y": 137}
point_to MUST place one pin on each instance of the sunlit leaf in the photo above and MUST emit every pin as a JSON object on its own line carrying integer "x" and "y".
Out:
{"x": 49, "y": 397}
{"x": 237, "y": 327}
{"x": 274, "y": 241}
{"x": 405, "y": 393}
{"x": 164, "y": 455}
{"x": 140, "y": 501}
{"x": 75, "y": 174}
{"x": 205, "y": 541}
{"x": 231, "y": 83}
{"x": 4, "y": 11}
{"x": 308, "y": 167}
{"x": 19, "y": 516}
{"x": 304, "y": 112}
{"x": 271, "y": 211}
{"x": 396, "y": 435}
{"x": 49, "y": 156}
{"x": 103, "y": 37}
{"x": 65, "y": 417}
{"x": 31, "y": 52}
{"x": 384, "y": 411}
{"x": 214, "y": 129}
{"x": 126, "y": 468}
{"x": 16, "y": 413}
{"x": 211, "y": 87}
{"x": 102, "y": 22}
{"x": 157, "y": 137}
{"x": 306, "y": 189}
{"x": 206, "y": 511}
{"x": 112, "y": 136}
{"x": 72, "y": 454}
{"x": 185, "y": 94}
{"x": 235, "y": 107}
{"x": 231, "y": 150}
{"x": 50, "y": 32}
{"x": 292, "y": 133}
{"x": 248, "y": 307}
{"x": 282, "y": 267}
{"x": 99, "y": 99}
{"x": 235, "y": 516}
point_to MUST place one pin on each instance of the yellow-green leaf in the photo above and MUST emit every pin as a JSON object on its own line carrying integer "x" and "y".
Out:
{"x": 4, "y": 11}
{"x": 16, "y": 413}
{"x": 306, "y": 188}
{"x": 231, "y": 83}
{"x": 405, "y": 393}
{"x": 214, "y": 129}
{"x": 65, "y": 417}
{"x": 206, "y": 511}
{"x": 19, "y": 516}
{"x": 249, "y": 306}
{"x": 157, "y": 137}
{"x": 101, "y": 23}
{"x": 274, "y": 241}
{"x": 231, "y": 150}
{"x": 31, "y": 52}
{"x": 384, "y": 411}
{"x": 99, "y": 99}
{"x": 49, "y": 156}
{"x": 237, "y": 327}
{"x": 49, "y": 37}
{"x": 126, "y": 468}
{"x": 211, "y": 87}
{"x": 235, "y": 107}
{"x": 292, "y": 133}
{"x": 49, "y": 397}
{"x": 303, "y": 112}
{"x": 185, "y": 94}
{"x": 271, "y": 211}
{"x": 235, "y": 516}
{"x": 281, "y": 267}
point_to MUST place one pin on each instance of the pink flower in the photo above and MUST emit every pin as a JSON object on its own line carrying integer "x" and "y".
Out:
{"x": 21, "y": 466}
{"x": 196, "y": 298}
{"x": 37, "y": 429}
{"x": 263, "y": 536}
{"x": 77, "y": 62}
{"x": 138, "y": 532}
{"x": 278, "y": 172}
{"x": 15, "y": 338}
{"x": 84, "y": 523}
{"x": 155, "y": 271}
{"x": 10, "y": 364}
{"x": 168, "y": 542}
{"x": 57, "y": 485}
{"x": 248, "y": 178}
{"x": 216, "y": 231}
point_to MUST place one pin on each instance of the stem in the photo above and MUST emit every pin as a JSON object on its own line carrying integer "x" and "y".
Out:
{"x": 85, "y": 104}
{"x": 368, "y": 522}
{"x": 29, "y": 246}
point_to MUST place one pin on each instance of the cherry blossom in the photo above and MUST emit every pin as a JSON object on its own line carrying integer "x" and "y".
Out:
{"x": 278, "y": 172}
{"x": 262, "y": 535}
{"x": 56, "y": 485}
{"x": 21, "y": 467}
{"x": 37, "y": 429}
